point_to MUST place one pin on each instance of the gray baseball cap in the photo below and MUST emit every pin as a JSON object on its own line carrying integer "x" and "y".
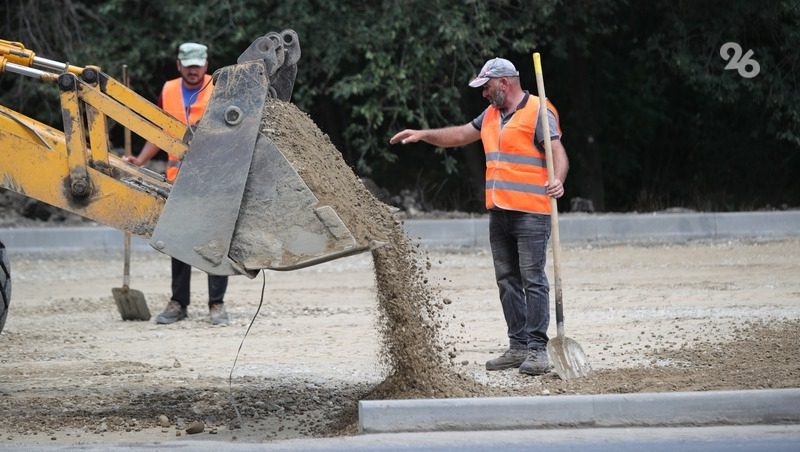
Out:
{"x": 192, "y": 54}
{"x": 494, "y": 68}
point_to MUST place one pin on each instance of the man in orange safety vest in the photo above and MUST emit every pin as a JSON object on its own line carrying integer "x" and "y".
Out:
{"x": 518, "y": 199}
{"x": 186, "y": 98}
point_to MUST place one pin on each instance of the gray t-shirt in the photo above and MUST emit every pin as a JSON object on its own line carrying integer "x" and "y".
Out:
{"x": 551, "y": 117}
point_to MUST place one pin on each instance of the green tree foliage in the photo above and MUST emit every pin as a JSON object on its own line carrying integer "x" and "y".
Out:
{"x": 651, "y": 117}
{"x": 695, "y": 134}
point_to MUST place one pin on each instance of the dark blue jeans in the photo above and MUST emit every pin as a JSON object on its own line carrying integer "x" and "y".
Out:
{"x": 181, "y": 281}
{"x": 519, "y": 250}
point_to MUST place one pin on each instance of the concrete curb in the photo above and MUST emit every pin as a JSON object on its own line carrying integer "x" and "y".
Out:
{"x": 653, "y": 227}
{"x": 749, "y": 407}
{"x": 474, "y": 232}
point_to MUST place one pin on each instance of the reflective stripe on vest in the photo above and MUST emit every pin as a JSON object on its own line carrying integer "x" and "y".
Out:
{"x": 511, "y": 158}
{"x": 172, "y": 103}
{"x": 516, "y": 172}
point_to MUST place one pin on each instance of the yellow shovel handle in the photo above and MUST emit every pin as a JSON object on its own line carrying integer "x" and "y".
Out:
{"x": 537, "y": 63}
{"x": 554, "y": 232}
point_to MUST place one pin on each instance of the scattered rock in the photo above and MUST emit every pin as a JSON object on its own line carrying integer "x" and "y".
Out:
{"x": 163, "y": 421}
{"x": 195, "y": 427}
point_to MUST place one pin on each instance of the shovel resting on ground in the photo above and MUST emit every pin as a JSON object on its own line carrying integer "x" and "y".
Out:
{"x": 567, "y": 356}
{"x": 130, "y": 302}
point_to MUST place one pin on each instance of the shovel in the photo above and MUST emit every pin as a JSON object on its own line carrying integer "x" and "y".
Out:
{"x": 130, "y": 302}
{"x": 567, "y": 356}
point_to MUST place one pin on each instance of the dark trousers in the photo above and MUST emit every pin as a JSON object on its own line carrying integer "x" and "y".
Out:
{"x": 181, "y": 280}
{"x": 519, "y": 251}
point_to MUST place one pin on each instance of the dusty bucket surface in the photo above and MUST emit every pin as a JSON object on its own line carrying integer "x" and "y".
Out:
{"x": 292, "y": 215}
{"x": 322, "y": 169}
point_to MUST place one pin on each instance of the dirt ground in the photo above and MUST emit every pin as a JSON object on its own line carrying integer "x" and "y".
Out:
{"x": 698, "y": 316}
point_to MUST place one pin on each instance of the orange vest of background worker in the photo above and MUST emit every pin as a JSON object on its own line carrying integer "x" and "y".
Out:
{"x": 174, "y": 98}
{"x": 516, "y": 171}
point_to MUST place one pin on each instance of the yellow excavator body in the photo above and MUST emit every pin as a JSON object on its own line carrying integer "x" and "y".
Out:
{"x": 236, "y": 190}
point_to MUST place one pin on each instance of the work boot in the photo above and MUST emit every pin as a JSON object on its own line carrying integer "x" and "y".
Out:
{"x": 512, "y": 357}
{"x": 536, "y": 363}
{"x": 172, "y": 313}
{"x": 217, "y": 313}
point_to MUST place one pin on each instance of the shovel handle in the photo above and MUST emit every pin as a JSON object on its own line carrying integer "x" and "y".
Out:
{"x": 554, "y": 236}
{"x": 126, "y": 266}
{"x": 126, "y": 80}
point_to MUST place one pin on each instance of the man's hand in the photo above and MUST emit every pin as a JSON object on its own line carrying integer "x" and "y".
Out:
{"x": 406, "y": 136}
{"x": 149, "y": 150}
{"x": 446, "y": 137}
{"x": 556, "y": 190}
{"x": 560, "y": 169}
{"x": 132, "y": 160}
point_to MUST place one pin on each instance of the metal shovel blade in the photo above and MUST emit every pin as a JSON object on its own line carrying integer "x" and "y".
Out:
{"x": 130, "y": 303}
{"x": 567, "y": 358}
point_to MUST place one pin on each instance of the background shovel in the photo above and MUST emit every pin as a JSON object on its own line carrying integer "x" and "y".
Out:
{"x": 567, "y": 356}
{"x": 130, "y": 303}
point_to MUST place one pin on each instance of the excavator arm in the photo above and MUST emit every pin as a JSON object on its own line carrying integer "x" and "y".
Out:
{"x": 74, "y": 169}
{"x": 227, "y": 163}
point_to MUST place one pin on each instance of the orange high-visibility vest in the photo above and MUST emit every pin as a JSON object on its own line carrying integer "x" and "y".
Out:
{"x": 516, "y": 172}
{"x": 172, "y": 103}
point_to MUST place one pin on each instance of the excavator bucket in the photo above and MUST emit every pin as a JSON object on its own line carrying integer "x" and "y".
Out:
{"x": 239, "y": 204}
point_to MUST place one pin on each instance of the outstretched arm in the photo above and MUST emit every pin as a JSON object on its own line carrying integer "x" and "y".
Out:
{"x": 446, "y": 137}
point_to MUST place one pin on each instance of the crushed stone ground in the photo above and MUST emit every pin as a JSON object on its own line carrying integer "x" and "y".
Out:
{"x": 700, "y": 316}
